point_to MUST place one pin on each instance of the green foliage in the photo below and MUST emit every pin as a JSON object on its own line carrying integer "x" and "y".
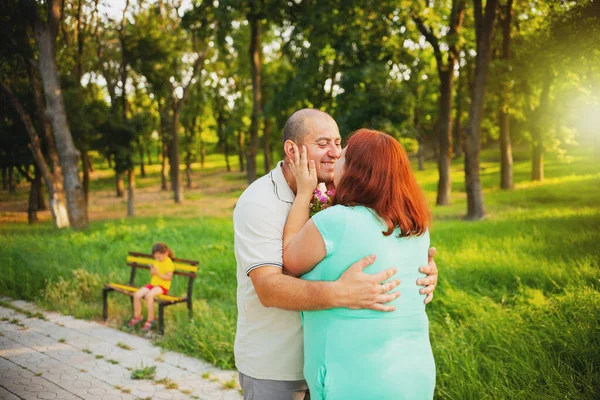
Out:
{"x": 78, "y": 293}
{"x": 118, "y": 140}
{"x": 144, "y": 372}
{"x": 371, "y": 99}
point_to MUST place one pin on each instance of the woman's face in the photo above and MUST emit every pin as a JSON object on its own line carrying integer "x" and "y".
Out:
{"x": 338, "y": 169}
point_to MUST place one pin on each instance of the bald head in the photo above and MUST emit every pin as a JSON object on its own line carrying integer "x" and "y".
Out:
{"x": 296, "y": 128}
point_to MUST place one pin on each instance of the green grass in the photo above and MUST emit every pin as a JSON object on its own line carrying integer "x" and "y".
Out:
{"x": 144, "y": 372}
{"x": 516, "y": 314}
{"x": 168, "y": 383}
{"x": 124, "y": 346}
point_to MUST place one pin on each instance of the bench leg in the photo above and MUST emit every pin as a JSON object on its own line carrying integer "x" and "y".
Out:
{"x": 161, "y": 319}
{"x": 189, "y": 306}
{"x": 105, "y": 303}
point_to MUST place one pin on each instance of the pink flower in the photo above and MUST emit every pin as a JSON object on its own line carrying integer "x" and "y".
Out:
{"x": 321, "y": 201}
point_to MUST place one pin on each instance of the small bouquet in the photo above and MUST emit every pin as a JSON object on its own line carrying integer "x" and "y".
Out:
{"x": 321, "y": 200}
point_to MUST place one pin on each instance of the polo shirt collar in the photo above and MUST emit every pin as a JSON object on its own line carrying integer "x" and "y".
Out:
{"x": 280, "y": 186}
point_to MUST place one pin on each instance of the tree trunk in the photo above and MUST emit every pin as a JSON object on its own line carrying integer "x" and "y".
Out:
{"x": 446, "y": 73}
{"x": 226, "y": 152}
{"x": 163, "y": 167}
{"x": 76, "y": 206}
{"x": 86, "y": 175}
{"x": 56, "y": 194}
{"x": 202, "y": 151}
{"x": 537, "y": 160}
{"x": 4, "y": 178}
{"x": 267, "y": 144}
{"x": 149, "y": 153}
{"x": 506, "y": 159}
{"x": 484, "y": 28}
{"x": 457, "y": 130}
{"x": 41, "y": 203}
{"x": 176, "y": 106}
{"x": 222, "y": 135}
{"x": 445, "y": 136}
{"x": 188, "y": 172}
{"x": 34, "y": 191}
{"x": 90, "y": 164}
{"x": 119, "y": 185}
{"x": 130, "y": 192}
{"x": 12, "y": 187}
{"x": 255, "y": 62}
{"x": 41, "y": 108}
{"x": 537, "y": 127}
{"x": 241, "y": 138}
{"x": 457, "y": 136}
{"x": 421, "y": 153}
{"x": 164, "y": 151}
{"x": 174, "y": 160}
{"x": 142, "y": 169}
{"x": 54, "y": 182}
{"x": 418, "y": 131}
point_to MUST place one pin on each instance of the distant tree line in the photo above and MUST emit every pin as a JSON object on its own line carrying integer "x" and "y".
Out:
{"x": 447, "y": 76}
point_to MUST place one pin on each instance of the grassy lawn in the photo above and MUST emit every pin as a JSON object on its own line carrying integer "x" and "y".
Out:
{"x": 516, "y": 314}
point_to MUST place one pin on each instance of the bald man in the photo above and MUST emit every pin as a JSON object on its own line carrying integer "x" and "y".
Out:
{"x": 269, "y": 343}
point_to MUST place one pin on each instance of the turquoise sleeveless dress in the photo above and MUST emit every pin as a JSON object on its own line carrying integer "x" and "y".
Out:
{"x": 366, "y": 354}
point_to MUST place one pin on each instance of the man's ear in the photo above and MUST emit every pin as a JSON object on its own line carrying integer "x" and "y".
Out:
{"x": 288, "y": 149}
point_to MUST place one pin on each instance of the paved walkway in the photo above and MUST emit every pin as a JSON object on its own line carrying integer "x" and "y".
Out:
{"x": 45, "y": 355}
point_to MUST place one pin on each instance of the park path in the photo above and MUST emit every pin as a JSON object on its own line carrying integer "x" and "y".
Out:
{"x": 46, "y": 355}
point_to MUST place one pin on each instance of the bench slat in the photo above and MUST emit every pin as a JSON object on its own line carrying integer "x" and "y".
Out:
{"x": 150, "y": 261}
{"x": 130, "y": 290}
{"x": 176, "y": 259}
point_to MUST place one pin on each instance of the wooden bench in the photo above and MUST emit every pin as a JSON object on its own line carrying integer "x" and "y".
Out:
{"x": 186, "y": 268}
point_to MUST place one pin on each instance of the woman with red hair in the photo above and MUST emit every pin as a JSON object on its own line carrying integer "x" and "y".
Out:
{"x": 379, "y": 209}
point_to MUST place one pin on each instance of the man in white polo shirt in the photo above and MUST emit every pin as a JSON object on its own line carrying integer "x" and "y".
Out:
{"x": 268, "y": 343}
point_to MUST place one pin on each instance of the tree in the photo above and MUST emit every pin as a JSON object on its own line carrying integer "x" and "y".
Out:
{"x": 163, "y": 45}
{"x": 506, "y": 160}
{"x": 446, "y": 76}
{"x": 564, "y": 45}
{"x": 484, "y": 26}
{"x": 259, "y": 15}
{"x": 255, "y": 52}
{"x": 19, "y": 55}
{"x": 58, "y": 211}
{"x": 118, "y": 137}
{"x": 45, "y": 34}
{"x": 15, "y": 156}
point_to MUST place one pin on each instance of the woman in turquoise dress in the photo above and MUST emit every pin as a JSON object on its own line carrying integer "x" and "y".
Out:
{"x": 378, "y": 208}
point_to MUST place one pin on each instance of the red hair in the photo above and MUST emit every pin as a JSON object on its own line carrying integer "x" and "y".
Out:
{"x": 377, "y": 175}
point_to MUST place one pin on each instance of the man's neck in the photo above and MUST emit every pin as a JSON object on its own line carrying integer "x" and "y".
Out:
{"x": 289, "y": 176}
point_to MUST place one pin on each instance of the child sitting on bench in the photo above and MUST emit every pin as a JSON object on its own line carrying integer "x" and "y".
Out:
{"x": 162, "y": 274}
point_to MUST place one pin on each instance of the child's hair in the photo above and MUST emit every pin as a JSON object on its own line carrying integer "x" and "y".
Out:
{"x": 162, "y": 248}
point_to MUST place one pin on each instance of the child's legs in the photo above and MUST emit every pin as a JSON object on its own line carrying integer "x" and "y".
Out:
{"x": 156, "y": 290}
{"x": 137, "y": 301}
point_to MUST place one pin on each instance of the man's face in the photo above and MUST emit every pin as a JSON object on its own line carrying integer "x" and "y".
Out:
{"x": 323, "y": 145}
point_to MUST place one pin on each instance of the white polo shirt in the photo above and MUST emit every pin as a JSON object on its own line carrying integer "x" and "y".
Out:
{"x": 268, "y": 341}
